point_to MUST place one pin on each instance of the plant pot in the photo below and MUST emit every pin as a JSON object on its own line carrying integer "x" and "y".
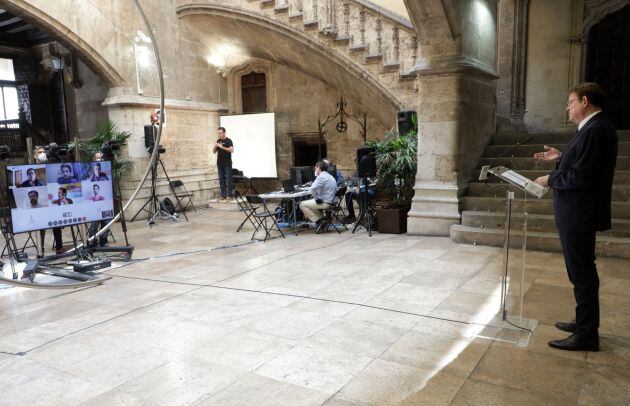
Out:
{"x": 392, "y": 221}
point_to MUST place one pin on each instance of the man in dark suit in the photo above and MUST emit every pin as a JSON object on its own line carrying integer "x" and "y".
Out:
{"x": 582, "y": 189}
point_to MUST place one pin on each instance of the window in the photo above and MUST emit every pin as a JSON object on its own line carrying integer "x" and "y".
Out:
{"x": 9, "y": 106}
{"x": 254, "y": 91}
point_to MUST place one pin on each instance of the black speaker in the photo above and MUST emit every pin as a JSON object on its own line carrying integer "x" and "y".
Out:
{"x": 405, "y": 122}
{"x": 366, "y": 162}
{"x": 149, "y": 136}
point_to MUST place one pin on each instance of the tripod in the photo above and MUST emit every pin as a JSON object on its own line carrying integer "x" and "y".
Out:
{"x": 366, "y": 216}
{"x": 155, "y": 209}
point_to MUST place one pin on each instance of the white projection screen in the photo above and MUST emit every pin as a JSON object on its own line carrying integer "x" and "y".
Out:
{"x": 254, "y": 137}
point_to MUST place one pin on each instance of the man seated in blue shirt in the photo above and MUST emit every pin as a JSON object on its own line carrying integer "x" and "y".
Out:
{"x": 323, "y": 190}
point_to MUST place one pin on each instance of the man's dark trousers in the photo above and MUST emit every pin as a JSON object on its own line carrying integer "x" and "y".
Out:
{"x": 579, "y": 249}
{"x": 225, "y": 176}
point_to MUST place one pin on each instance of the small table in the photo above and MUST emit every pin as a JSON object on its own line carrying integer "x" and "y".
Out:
{"x": 294, "y": 197}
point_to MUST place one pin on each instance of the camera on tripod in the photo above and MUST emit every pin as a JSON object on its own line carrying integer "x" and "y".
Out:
{"x": 149, "y": 139}
{"x": 109, "y": 148}
{"x": 4, "y": 152}
{"x": 55, "y": 153}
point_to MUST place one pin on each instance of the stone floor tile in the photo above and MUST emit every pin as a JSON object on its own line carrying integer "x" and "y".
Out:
{"x": 253, "y": 389}
{"x": 614, "y": 352}
{"x": 384, "y": 383}
{"x": 290, "y": 323}
{"x": 318, "y": 368}
{"x": 323, "y": 307}
{"x": 474, "y": 393}
{"x": 456, "y": 356}
{"x": 356, "y": 336}
{"x": 410, "y": 298}
{"x": 244, "y": 349}
{"x": 548, "y": 376}
{"x": 440, "y": 390}
{"x": 387, "y": 317}
{"x": 539, "y": 343}
{"x": 604, "y": 386}
{"x": 28, "y": 381}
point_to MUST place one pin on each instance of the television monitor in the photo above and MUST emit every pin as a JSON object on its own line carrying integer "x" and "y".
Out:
{"x": 302, "y": 174}
{"x": 59, "y": 194}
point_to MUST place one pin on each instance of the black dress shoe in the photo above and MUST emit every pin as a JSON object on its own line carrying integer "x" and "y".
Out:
{"x": 568, "y": 327}
{"x": 577, "y": 342}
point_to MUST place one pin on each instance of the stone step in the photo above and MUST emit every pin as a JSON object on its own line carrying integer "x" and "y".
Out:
{"x": 547, "y": 138}
{"x": 522, "y": 163}
{"x": 528, "y": 150}
{"x": 620, "y": 192}
{"x": 620, "y": 210}
{"x": 535, "y": 222}
{"x": 607, "y": 246}
{"x": 621, "y": 176}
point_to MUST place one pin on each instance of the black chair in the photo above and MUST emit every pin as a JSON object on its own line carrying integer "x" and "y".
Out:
{"x": 247, "y": 208}
{"x": 332, "y": 213}
{"x": 182, "y": 195}
{"x": 262, "y": 214}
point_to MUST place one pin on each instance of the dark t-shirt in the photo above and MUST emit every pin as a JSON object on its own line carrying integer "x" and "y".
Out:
{"x": 223, "y": 157}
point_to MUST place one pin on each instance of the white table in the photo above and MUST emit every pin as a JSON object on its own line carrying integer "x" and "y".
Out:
{"x": 294, "y": 197}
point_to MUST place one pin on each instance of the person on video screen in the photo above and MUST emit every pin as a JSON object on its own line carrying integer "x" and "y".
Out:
{"x": 62, "y": 194}
{"x": 97, "y": 194}
{"x": 33, "y": 200}
{"x": 97, "y": 175}
{"x": 66, "y": 175}
{"x": 32, "y": 180}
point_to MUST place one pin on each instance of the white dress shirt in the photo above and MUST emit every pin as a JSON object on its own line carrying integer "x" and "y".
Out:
{"x": 586, "y": 120}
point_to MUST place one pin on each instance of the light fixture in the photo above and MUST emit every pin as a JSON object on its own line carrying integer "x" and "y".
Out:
{"x": 58, "y": 63}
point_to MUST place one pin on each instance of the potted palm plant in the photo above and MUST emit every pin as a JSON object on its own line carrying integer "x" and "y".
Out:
{"x": 107, "y": 131}
{"x": 396, "y": 162}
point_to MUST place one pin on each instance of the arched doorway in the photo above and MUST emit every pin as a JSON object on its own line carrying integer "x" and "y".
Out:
{"x": 608, "y": 63}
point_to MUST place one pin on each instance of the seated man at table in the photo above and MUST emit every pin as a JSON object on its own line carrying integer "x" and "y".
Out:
{"x": 323, "y": 191}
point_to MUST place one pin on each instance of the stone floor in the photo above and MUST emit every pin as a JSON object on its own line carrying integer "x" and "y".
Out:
{"x": 336, "y": 319}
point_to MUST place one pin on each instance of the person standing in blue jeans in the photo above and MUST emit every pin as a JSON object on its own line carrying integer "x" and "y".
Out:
{"x": 224, "y": 147}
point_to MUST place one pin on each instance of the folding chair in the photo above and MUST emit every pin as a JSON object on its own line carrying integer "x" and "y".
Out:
{"x": 247, "y": 208}
{"x": 262, "y": 216}
{"x": 182, "y": 196}
{"x": 332, "y": 213}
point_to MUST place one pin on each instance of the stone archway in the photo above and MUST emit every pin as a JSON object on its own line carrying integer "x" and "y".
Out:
{"x": 217, "y": 23}
{"x": 52, "y": 18}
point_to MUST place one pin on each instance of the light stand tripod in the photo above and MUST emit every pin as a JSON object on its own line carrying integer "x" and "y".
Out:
{"x": 155, "y": 209}
{"x": 366, "y": 215}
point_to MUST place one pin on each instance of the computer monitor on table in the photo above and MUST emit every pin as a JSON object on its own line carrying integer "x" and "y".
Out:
{"x": 302, "y": 174}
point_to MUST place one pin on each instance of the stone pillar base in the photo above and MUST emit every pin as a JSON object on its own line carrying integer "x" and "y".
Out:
{"x": 434, "y": 209}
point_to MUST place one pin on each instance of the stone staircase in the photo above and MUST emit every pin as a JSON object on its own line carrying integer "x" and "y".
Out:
{"x": 381, "y": 42}
{"x": 483, "y": 205}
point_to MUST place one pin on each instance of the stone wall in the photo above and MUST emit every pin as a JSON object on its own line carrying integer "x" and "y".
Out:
{"x": 89, "y": 102}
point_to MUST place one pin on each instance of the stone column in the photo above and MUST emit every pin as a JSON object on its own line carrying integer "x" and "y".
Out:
{"x": 456, "y": 105}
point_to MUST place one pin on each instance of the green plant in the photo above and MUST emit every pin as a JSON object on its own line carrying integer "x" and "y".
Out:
{"x": 396, "y": 162}
{"x": 107, "y": 131}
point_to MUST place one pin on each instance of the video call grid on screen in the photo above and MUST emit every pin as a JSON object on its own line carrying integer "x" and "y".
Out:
{"x": 51, "y": 195}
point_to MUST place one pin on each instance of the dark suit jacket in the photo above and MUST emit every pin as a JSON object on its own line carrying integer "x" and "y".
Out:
{"x": 582, "y": 181}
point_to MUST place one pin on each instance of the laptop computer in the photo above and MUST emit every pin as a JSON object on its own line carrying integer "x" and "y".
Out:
{"x": 288, "y": 186}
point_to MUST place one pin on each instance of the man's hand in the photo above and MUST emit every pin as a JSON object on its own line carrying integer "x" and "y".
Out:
{"x": 543, "y": 181}
{"x": 550, "y": 154}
